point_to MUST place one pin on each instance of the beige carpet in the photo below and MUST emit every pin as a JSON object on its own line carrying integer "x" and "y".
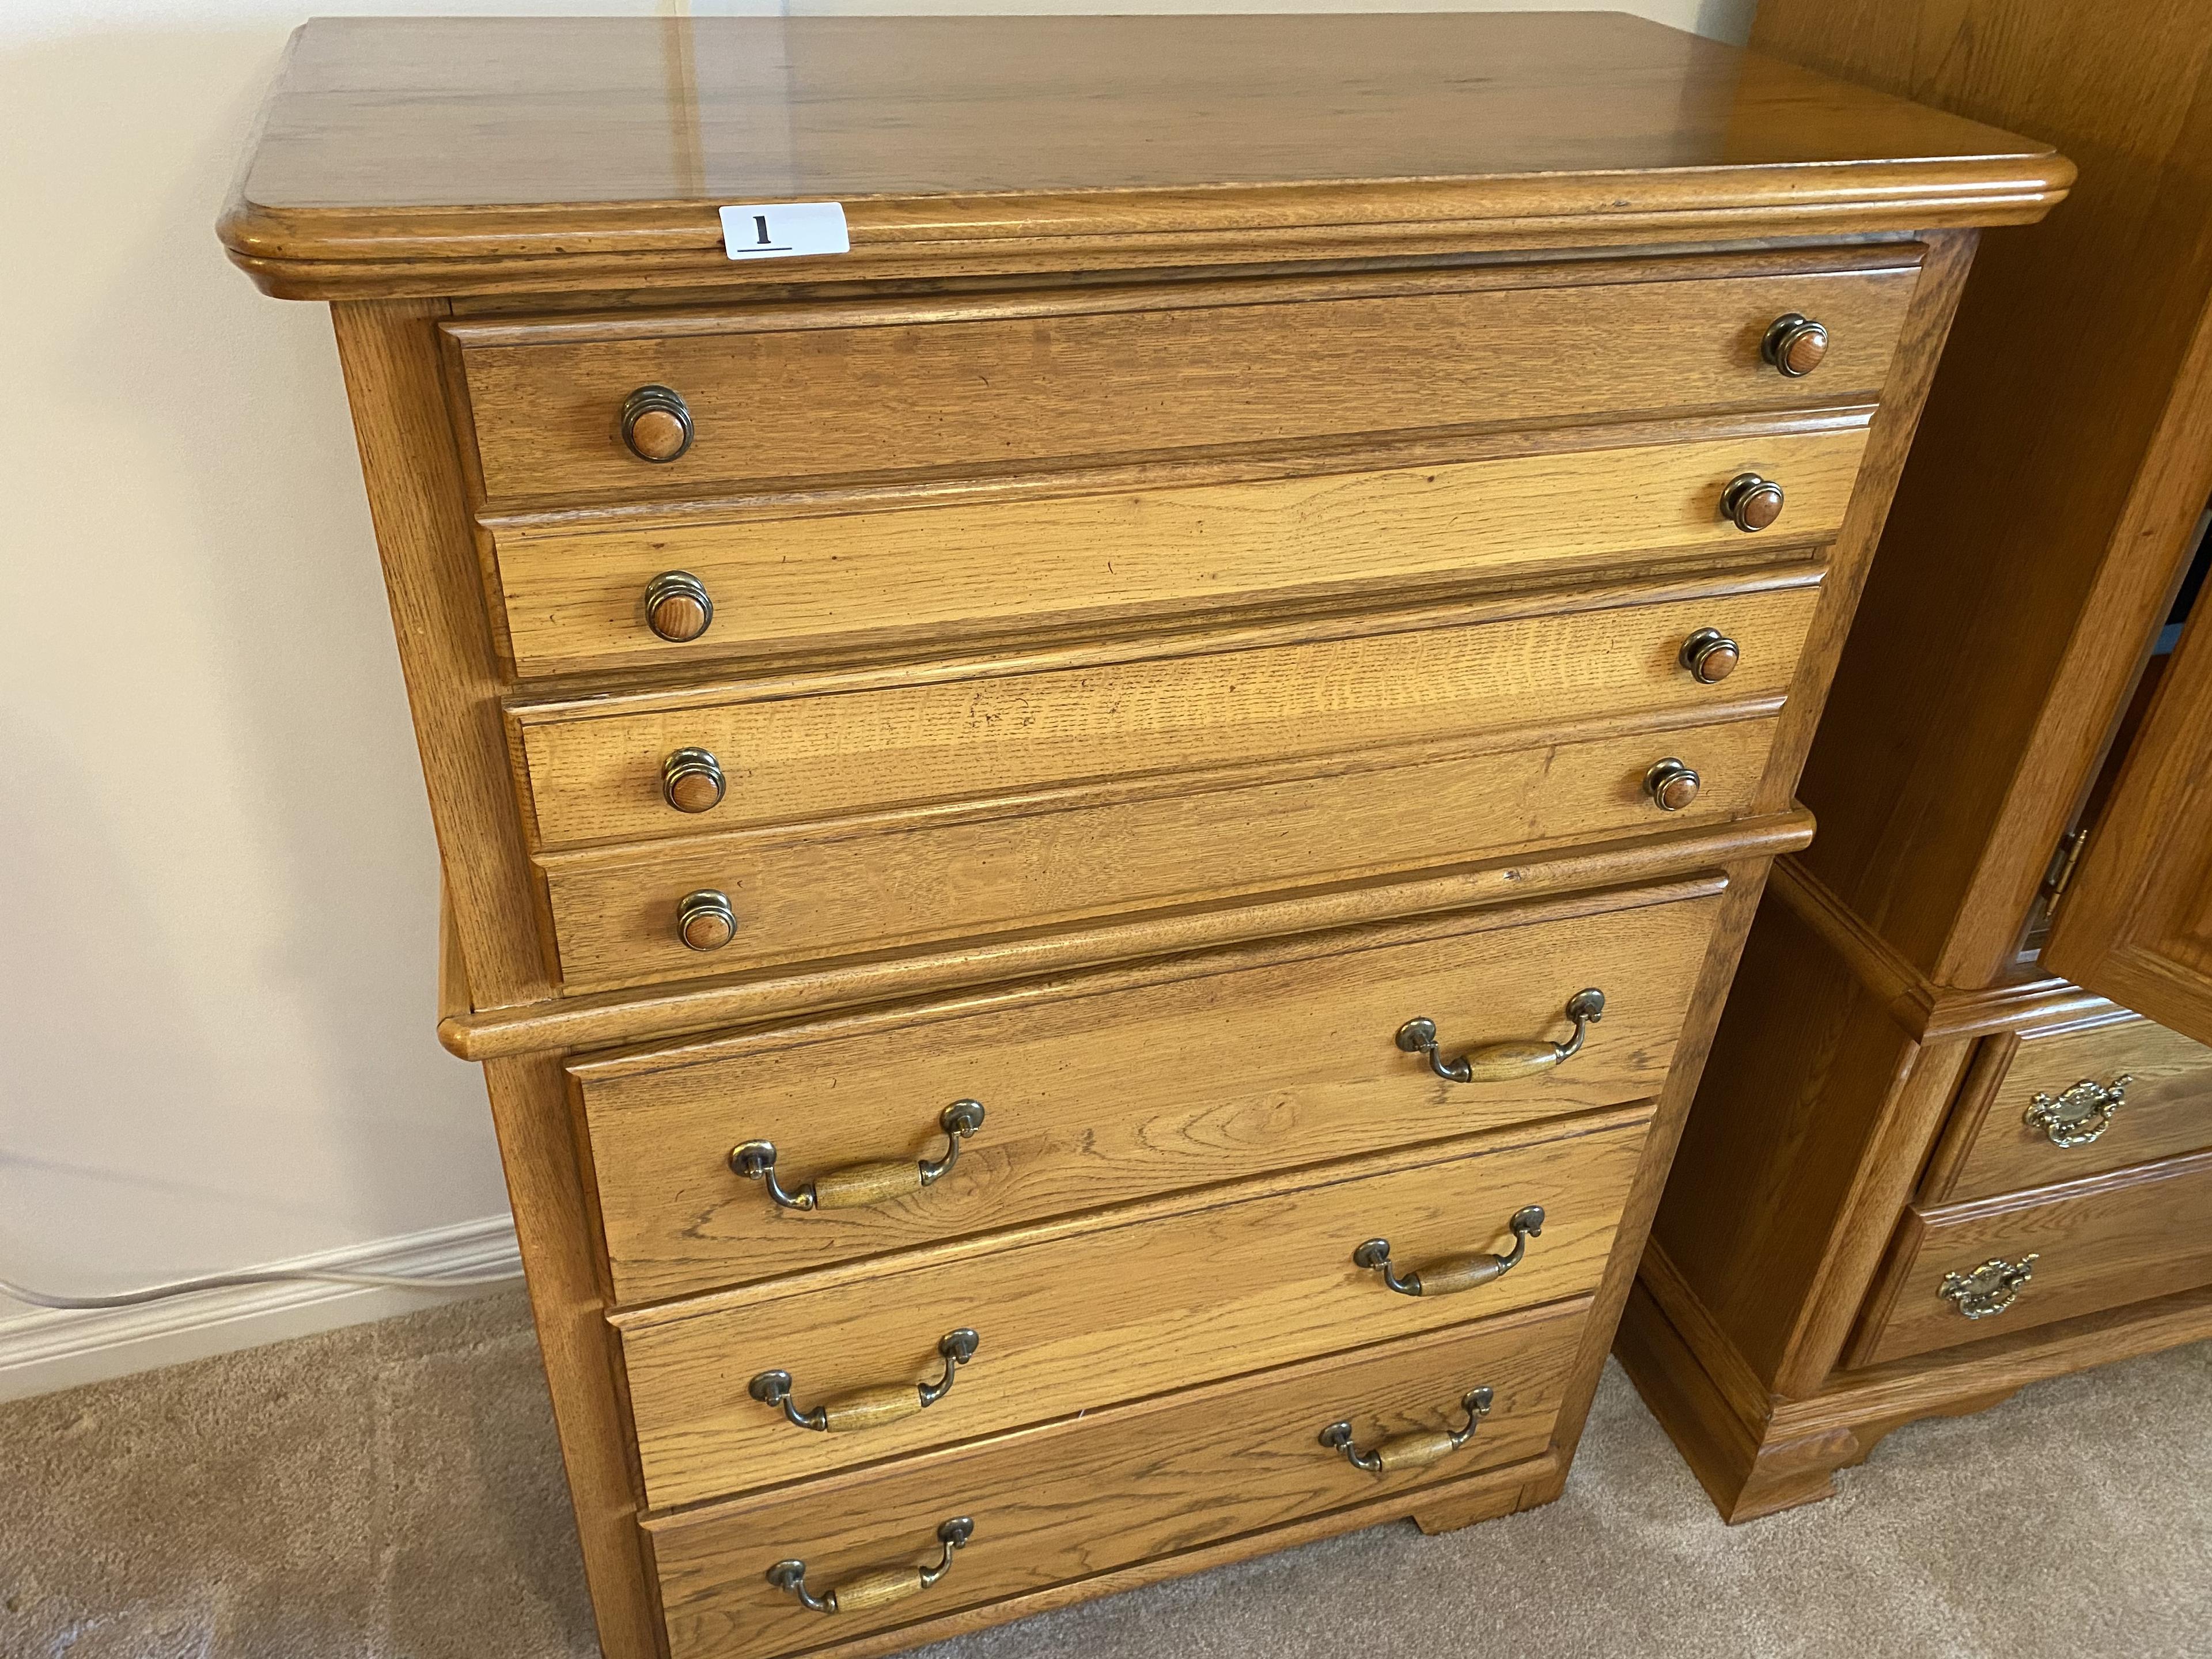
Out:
{"x": 392, "y": 1491}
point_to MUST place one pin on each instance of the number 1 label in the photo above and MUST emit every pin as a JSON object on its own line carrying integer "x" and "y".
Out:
{"x": 784, "y": 230}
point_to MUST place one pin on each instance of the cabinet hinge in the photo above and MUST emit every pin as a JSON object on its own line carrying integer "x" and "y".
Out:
{"x": 2060, "y": 871}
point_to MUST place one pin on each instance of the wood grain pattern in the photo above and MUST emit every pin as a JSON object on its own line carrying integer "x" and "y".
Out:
{"x": 1986, "y": 703}
{"x": 573, "y": 592}
{"x": 2136, "y": 921}
{"x": 448, "y": 155}
{"x": 2168, "y": 1108}
{"x": 1223, "y": 367}
{"x": 1261, "y": 1275}
{"x": 908, "y": 880}
{"x": 1136, "y": 1482}
{"x": 2101, "y": 1243}
{"x": 1119, "y": 1094}
{"x": 594, "y": 767}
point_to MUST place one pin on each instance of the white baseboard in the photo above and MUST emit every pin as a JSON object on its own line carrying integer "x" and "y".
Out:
{"x": 46, "y": 1349}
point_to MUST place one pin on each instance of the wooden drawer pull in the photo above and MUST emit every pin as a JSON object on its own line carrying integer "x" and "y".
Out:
{"x": 704, "y": 919}
{"x": 691, "y": 780}
{"x": 1794, "y": 344}
{"x": 869, "y": 1408}
{"x": 1990, "y": 1289}
{"x": 2079, "y": 1114}
{"x": 1711, "y": 656}
{"x": 858, "y": 1184}
{"x": 678, "y": 606}
{"x": 656, "y": 423}
{"x": 1751, "y": 502}
{"x": 1410, "y": 1451}
{"x": 1505, "y": 1062}
{"x": 880, "y": 1588}
{"x": 1458, "y": 1273}
{"x": 1671, "y": 784}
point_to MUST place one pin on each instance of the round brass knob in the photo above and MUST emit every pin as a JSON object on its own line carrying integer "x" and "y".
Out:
{"x": 1672, "y": 785}
{"x": 705, "y": 921}
{"x": 691, "y": 780}
{"x": 1751, "y": 502}
{"x": 656, "y": 423}
{"x": 1709, "y": 655}
{"x": 676, "y": 606}
{"x": 1794, "y": 344}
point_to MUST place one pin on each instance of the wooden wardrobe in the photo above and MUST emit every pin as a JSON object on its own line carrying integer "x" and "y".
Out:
{"x": 1955, "y": 1134}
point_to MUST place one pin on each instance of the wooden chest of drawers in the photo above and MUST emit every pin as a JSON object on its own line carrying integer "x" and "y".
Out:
{"x": 1092, "y": 847}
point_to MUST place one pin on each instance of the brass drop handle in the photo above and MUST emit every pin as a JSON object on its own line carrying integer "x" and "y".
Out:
{"x": 656, "y": 423}
{"x": 858, "y": 1184}
{"x": 1671, "y": 784}
{"x": 1458, "y": 1273}
{"x": 2080, "y": 1114}
{"x": 1990, "y": 1289}
{"x": 1751, "y": 502}
{"x": 1711, "y": 656}
{"x": 691, "y": 780}
{"x": 1794, "y": 344}
{"x": 1411, "y": 1451}
{"x": 869, "y": 1408}
{"x": 881, "y": 1587}
{"x": 1503, "y": 1062}
{"x": 678, "y": 606}
{"x": 704, "y": 921}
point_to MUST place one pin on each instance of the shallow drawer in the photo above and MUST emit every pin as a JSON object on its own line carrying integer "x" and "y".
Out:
{"x": 2078, "y": 1100}
{"x": 1084, "y": 1314}
{"x": 798, "y": 393}
{"x": 1956, "y": 1272}
{"x": 596, "y": 769}
{"x": 1094, "y": 1097}
{"x": 1138, "y": 1483}
{"x": 576, "y": 596}
{"x": 903, "y": 883}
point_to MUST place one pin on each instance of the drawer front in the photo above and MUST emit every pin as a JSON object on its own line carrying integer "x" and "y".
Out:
{"x": 2098, "y": 1243}
{"x": 577, "y": 601}
{"x": 2123, "y": 1091}
{"x": 1095, "y": 1100}
{"x": 1090, "y": 1314}
{"x": 795, "y": 394}
{"x": 595, "y": 768}
{"x": 902, "y": 884}
{"x": 1075, "y": 1499}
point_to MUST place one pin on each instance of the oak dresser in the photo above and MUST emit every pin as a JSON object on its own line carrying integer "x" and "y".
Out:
{"x": 1956, "y": 1132}
{"x": 1093, "y": 845}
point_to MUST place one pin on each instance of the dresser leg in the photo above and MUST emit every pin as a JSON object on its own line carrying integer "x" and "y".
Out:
{"x": 1450, "y": 1510}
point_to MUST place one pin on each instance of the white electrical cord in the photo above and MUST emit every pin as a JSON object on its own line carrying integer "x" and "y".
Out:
{"x": 227, "y": 1281}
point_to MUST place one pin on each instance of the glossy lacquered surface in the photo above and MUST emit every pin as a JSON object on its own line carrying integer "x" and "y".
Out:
{"x": 579, "y": 145}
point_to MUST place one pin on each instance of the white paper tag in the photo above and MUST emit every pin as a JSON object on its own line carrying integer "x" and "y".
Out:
{"x": 784, "y": 230}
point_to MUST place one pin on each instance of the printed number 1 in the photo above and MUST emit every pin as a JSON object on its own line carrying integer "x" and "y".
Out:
{"x": 760, "y": 224}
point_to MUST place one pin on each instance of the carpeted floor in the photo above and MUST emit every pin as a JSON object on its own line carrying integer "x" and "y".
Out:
{"x": 392, "y": 1491}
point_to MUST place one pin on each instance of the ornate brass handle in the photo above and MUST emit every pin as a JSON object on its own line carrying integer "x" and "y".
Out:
{"x": 869, "y": 1408}
{"x": 862, "y": 1183}
{"x": 1502, "y": 1062}
{"x": 881, "y": 1587}
{"x": 2079, "y": 1115}
{"x": 1410, "y": 1451}
{"x": 1458, "y": 1273}
{"x": 1990, "y": 1288}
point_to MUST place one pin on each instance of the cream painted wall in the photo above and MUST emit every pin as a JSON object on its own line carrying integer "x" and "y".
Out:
{"x": 216, "y": 911}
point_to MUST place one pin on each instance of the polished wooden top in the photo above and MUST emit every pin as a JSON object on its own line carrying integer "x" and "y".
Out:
{"x": 593, "y": 149}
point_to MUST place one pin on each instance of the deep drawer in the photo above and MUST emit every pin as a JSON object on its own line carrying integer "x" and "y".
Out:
{"x": 1079, "y": 1498}
{"x": 787, "y": 575}
{"x": 2097, "y": 1243}
{"x": 2078, "y": 1100}
{"x": 794, "y": 394}
{"x": 1214, "y": 1071}
{"x": 789, "y": 753}
{"x": 1082, "y": 1315}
